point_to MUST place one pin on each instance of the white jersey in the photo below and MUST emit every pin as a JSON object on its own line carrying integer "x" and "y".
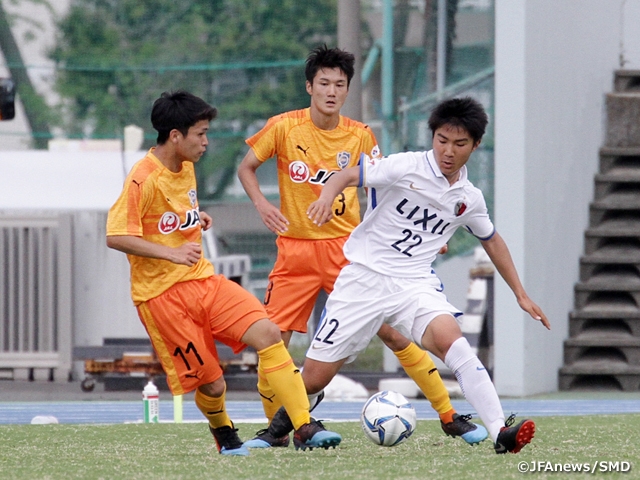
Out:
{"x": 412, "y": 212}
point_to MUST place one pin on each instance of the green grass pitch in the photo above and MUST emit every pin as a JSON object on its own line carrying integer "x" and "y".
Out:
{"x": 187, "y": 451}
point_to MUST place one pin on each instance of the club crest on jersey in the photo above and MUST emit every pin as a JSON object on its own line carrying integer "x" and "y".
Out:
{"x": 460, "y": 208}
{"x": 375, "y": 151}
{"x": 343, "y": 159}
{"x": 298, "y": 172}
{"x": 193, "y": 197}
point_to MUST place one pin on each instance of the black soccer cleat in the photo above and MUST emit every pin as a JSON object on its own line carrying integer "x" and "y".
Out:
{"x": 227, "y": 441}
{"x": 462, "y": 427}
{"x": 313, "y": 435}
{"x": 513, "y": 438}
{"x": 277, "y": 434}
{"x": 264, "y": 439}
{"x": 280, "y": 424}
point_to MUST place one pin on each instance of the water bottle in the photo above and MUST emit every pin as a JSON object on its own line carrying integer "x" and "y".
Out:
{"x": 150, "y": 399}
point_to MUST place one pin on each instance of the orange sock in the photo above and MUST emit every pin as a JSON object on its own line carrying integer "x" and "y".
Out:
{"x": 447, "y": 417}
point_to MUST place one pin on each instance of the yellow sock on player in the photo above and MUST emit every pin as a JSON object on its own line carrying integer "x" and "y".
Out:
{"x": 270, "y": 403}
{"x": 214, "y": 409}
{"x": 286, "y": 382}
{"x": 420, "y": 367}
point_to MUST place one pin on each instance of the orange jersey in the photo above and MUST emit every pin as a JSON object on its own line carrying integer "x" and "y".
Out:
{"x": 306, "y": 156}
{"x": 162, "y": 207}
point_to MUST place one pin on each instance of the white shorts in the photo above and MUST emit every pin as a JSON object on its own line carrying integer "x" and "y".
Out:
{"x": 362, "y": 300}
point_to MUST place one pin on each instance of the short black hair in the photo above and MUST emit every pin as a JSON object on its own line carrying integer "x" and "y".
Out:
{"x": 179, "y": 110}
{"x": 325, "y": 57}
{"x": 465, "y": 112}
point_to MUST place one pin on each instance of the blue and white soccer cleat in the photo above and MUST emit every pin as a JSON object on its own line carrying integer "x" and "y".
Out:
{"x": 228, "y": 442}
{"x": 264, "y": 439}
{"x": 314, "y": 435}
{"x": 277, "y": 435}
{"x": 462, "y": 427}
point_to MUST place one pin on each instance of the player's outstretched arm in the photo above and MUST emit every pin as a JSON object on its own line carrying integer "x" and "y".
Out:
{"x": 270, "y": 215}
{"x": 320, "y": 211}
{"x": 186, "y": 254}
{"x": 499, "y": 254}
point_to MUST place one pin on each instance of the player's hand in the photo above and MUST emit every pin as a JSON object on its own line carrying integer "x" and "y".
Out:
{"x": 205, "y": 221}
{"x": 187, "y": 254}
{"x": 320, "y": 212}
{"x": 444, "y": 249}
{"x": 535, "y": 311}
{"x": 273, "y": 218}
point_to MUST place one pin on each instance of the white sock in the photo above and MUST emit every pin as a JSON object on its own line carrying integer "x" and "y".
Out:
{"x": 476, "y": 385}
{"x": 315, "y": 399}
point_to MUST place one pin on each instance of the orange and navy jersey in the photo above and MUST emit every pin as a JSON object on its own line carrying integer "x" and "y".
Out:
{"x": 162, "y": 207}
{"x": 306, "y": 157}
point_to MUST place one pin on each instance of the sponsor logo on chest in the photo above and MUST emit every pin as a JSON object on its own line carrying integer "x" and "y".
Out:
{"x": 423, "y": 218}
{"x": 170, "y": 221}
{"x": 299, "y": 171}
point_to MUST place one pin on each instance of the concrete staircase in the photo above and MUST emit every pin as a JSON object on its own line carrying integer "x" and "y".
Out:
{"x": 603, "y": 349}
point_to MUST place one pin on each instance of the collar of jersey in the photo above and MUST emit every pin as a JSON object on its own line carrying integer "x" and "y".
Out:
{"x": 431, "y": 160}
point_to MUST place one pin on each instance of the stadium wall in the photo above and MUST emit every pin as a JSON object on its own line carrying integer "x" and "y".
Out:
{"x": 82, "y": 184}
{"x": 555, "y": 61}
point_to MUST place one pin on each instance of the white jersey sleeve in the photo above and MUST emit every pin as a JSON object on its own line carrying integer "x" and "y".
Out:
{"x": 478, "y": 222}
{"x": 382, "y": 172}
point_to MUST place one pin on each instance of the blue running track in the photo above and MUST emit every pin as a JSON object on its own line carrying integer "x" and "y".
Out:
{"x": 109, "y": 412}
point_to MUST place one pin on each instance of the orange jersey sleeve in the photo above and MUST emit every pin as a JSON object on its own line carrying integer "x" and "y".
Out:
{"x": 162, "y": 207}
{"x": 306, "y": 156}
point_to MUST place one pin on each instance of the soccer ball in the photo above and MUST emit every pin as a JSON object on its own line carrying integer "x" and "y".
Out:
{"x": 388, "y": 418}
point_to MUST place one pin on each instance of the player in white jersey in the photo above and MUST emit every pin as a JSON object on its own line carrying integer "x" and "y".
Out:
{"x": 416, "y": 202}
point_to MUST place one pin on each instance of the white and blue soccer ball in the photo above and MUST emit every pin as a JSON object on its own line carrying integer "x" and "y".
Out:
{"x": 388, "y": 418}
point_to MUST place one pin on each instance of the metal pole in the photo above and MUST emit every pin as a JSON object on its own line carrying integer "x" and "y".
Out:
{"x": 441, "y": 47}
{"x": 349, "y": 40}
{"x": 387, "y": 75}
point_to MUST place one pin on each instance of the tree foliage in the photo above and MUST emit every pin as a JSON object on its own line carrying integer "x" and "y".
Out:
{"x": 36, "y": 110}
{"x": 117, "y": 56}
